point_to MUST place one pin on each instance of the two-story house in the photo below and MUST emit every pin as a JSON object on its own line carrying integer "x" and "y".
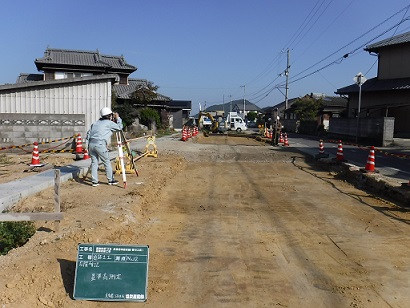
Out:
{"x": 63, "y": 64}
{"x": 388, "y": 94}
{"x": 66, "y": 97}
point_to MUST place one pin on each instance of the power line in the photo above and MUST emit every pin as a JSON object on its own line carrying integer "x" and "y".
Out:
{"x": 314, "y": 23}
{"x": 340, "y": 59}
{"x": 354, "y": 50}
{"x": 300, "y": 29}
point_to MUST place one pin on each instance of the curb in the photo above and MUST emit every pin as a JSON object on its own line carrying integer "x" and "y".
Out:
{"x": 373, "y": 182}
{"x": 13, "y": 192}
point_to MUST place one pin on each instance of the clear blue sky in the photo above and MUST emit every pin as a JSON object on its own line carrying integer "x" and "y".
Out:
{"x": 205, "y": 50}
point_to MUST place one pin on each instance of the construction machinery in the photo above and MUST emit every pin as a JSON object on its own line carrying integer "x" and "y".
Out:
{"x": 235, "y": 122}
{"x": 210, "y": 124}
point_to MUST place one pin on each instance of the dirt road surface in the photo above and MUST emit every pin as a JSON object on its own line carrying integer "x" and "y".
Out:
{"x": 230, "y": 222}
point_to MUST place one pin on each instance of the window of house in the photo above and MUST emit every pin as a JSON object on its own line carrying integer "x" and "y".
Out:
{"x": 68, "y": 75}
{"x": 59, "y": 75}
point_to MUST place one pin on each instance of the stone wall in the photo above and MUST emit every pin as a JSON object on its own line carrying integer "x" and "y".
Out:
{"x": 25, "y": 128}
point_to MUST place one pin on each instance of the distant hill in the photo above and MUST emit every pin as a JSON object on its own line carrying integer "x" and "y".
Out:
{"x": 237, "y": 105}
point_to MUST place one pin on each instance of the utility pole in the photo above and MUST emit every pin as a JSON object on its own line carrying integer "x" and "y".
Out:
{"x": 230, "y": 103}
{"x": 243, "y": 101}
{"x": 223, "y": 102}
{"x": 287, "y": 79}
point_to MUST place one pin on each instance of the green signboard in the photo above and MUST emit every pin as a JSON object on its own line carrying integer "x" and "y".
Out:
{"x": 111, "y": 272}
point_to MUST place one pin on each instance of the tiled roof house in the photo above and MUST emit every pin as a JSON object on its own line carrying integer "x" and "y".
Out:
{"x": 65, "y": 63}
{"x": 67, "y": 97}
{"x": 386, "y": 95}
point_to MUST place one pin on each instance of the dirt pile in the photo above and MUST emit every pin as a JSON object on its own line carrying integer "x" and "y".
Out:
{"x": 230, "y": 222}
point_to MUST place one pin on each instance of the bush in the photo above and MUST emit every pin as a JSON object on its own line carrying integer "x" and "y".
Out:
{"x": 15, "y": 234}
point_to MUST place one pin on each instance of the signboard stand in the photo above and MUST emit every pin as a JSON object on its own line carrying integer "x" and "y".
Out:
{"x": 106, "y": 272}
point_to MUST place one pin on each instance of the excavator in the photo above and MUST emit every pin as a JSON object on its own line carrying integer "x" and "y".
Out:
{"x": 213, "y": 126}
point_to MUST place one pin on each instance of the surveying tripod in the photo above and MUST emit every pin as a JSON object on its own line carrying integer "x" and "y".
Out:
{"x": 122, "y": 166}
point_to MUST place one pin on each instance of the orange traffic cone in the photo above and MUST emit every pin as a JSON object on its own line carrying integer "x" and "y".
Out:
{"x": 184, "y": 134}
{"x": 35, "y": 159}
{"x": 281, "y": 138}
{"x": 321, "y": 147}
{"x": 321, "y": 151}
{"x": 370, "y": 161}
{"x": 79, "y": 145}
{"x": 86, "y": 156}
{"x": 339, "y": 154}
{"x": 270, "y": 135}
{"x": 286, "y": 142}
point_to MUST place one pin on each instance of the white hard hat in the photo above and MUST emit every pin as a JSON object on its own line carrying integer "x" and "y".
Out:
{"x": 105, "y": 111}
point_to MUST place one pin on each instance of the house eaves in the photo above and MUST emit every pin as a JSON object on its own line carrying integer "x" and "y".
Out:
{"x": 375, "y": 84}
{"x": 125, "y": 91}
{"x": 44, "y": 83}
{"x": 395, "y": 40}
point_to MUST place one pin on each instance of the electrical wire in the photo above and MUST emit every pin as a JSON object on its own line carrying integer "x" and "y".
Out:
{"x": 350, "y": 43}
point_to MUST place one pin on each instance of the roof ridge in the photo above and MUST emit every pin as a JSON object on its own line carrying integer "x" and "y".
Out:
{"x": 71, "y": 50}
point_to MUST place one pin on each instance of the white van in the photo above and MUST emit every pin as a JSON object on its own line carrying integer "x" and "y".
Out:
{"x": 235, "y": 122}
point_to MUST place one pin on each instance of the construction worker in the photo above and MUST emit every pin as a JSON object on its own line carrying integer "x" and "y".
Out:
{"x": 277, "y": 129}
{"x": 118, "y": 120}
{"x": 97, "y": 140}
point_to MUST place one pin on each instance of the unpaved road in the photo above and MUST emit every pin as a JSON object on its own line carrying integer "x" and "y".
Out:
{"x": 230, "y": 223}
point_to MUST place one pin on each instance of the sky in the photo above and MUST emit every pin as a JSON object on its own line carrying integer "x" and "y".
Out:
{"x": 210, "y": 51}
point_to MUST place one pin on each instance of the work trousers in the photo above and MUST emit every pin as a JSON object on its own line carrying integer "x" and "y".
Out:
{"x": 98, "y": 151}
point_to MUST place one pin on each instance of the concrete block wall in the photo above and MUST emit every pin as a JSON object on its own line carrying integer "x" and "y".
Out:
{"x": 25, "y": 128}
{"x": 378, "y": 130}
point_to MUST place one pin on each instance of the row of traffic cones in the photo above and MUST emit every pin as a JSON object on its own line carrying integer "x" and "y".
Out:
{"x": 35, "y": 158}
{"x": 370, "y": 164}
{"x": 189, "y": 132}
{"x": 283, "y": 138}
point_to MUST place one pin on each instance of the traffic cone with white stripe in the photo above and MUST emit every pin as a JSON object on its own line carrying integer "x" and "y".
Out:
{"x": 281, "y": 138}
{"x": 79, "y": 145}
{"x": 321, "y": 151}
{"x": 184, "y": 134}
{"x": 339, "y": 154}
{"x": 371, "y": 163}
{"x": 35, "y": 159}
{"x": 86, "y": 156}
{"x": 286, "y": 141}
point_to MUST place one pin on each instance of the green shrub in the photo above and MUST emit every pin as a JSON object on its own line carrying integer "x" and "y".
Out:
{"x": 14, "y": 234}
{"x": 4, "y": 159}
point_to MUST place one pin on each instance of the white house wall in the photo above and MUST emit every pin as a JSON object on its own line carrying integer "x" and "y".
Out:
{"x": 84, "y": 97}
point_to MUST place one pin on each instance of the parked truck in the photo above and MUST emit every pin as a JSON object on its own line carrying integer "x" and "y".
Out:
{"x": 235, "y": 122}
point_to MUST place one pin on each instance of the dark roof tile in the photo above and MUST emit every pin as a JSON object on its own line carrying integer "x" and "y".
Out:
{"x": 125, "y": 91}
{"x": 376, "y": 84}
{"x": 395, "y": 40}
{"x": 82, "y": 58}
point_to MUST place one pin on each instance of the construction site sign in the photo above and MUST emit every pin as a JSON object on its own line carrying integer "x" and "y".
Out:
{"x": 111, "y": 272}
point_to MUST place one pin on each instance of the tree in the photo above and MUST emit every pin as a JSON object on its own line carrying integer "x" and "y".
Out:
{"x": 148, "y": 116}
{"x": 144, "y": 94}
{"x": 251, "y": 116}
{"x": 128, "y": 109}
{"x": 307, "y": 107}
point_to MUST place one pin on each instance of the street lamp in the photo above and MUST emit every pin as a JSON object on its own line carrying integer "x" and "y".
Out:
{"x": 243, "y": 101}
{"x": 359, "y": 79}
